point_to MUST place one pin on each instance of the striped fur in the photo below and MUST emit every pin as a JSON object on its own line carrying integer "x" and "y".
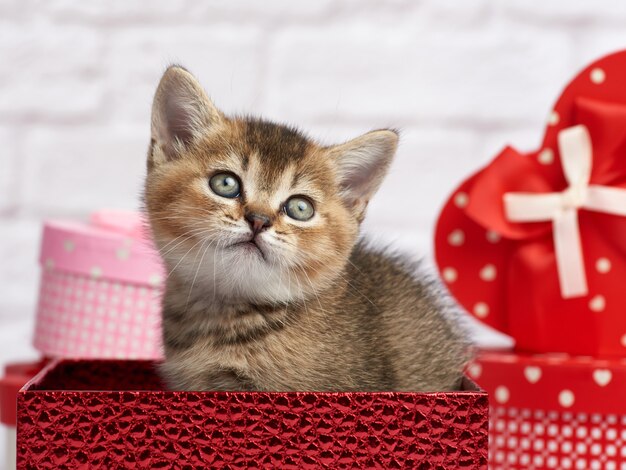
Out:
{"x": 305, "y": 308}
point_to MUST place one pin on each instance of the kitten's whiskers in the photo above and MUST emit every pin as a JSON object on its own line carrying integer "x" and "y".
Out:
{"x": 183, "y": 258}
{"x": 198, "y": 268}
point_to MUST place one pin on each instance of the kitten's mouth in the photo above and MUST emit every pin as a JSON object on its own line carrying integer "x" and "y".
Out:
{"x": 251, "y": 246}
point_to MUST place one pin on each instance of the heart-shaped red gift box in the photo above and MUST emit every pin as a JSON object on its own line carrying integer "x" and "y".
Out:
{"x": 534, "y": 244}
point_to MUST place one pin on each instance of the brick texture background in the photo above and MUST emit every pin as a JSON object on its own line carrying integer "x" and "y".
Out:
{"x": 460, "y": 79}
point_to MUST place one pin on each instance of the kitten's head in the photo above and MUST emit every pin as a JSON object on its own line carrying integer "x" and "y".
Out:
{"x": 244, "y": 209}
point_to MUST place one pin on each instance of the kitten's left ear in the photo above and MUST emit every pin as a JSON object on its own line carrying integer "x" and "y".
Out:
{"x": 362, "y": 164}
{"x": 181, "y": 112}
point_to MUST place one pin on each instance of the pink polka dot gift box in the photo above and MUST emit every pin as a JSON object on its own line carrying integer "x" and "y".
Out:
{"x": 100, "y": 289}
{"x": 534, "y": 244}
{"x": 554, "y": 410}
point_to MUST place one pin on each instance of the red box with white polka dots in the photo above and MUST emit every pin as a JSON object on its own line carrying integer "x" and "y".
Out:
{"x": 554, "y": 410}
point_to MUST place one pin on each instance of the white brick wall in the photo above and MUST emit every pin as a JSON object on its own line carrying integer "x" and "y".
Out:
{"x": 72, "y": 169}
{"x": 460, "y": 79}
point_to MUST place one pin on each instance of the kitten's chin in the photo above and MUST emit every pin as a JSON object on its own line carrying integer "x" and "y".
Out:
{"x": 252, "y": 278}
{"x": 242, "y": 272}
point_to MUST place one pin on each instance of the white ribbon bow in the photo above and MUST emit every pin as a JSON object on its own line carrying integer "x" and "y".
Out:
{"x": 562, "y": 208}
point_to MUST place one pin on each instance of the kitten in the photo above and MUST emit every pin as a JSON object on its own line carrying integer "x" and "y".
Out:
{"x": 268, "y": 287}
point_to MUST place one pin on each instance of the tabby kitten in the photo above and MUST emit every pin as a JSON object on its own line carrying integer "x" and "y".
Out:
{"x": 268, "y": 288}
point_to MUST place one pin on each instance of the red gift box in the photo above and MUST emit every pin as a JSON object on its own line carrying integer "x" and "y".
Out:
{"x": 534, "y": 244}
{"x": 554, "y": 411}
{"x": 16, "y": 375}
{"x": 116, "y": 414}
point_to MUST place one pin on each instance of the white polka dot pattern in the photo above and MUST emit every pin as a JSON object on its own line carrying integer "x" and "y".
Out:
{"x": 456, "y": 238}
{"x": 533, "y": 439}
{"x": 155, "y": 280}
{"x": 602, "y": 377}
{"x": 450, "y": 274}
{"x": 461, "y": 200}
{"x": 597, "y": 303}
{"x": 488, "y": 273}
{"x": 553, "y": 118}
{"x": 603, "y": 265}
{"x": 532, "y": 374}
{"x": 87, "y": 317}
{"x": 566, "y": 398}
{"x": 475, "y": 370}
{"x": 481, "y": 310}
{"x": 597, "y": 75}
{"x": 546, "y": 157}
{"x": 502, "y": 394}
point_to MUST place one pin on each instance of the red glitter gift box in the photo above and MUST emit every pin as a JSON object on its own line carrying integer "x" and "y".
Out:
{"x": 554, "y": 410}
{"x": 116, "y": 414}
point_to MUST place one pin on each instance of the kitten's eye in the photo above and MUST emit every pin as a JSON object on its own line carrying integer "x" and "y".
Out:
{"x": 299, "y": 208}
{"x": 225, "y": 185}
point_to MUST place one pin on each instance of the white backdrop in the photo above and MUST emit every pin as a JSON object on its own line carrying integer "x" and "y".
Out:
{"x": 459, "y": 78}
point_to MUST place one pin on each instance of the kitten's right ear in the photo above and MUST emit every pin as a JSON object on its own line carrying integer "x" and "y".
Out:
{"x": 181, "y": 111}
{"x": 361, "y": 165}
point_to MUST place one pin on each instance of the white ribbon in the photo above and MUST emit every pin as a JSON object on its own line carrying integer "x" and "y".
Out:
{"x": 562, "y": 208}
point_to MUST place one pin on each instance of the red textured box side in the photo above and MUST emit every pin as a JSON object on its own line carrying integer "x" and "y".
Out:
{"x": 15, "y": 376}
{"x": 64, "y": 422}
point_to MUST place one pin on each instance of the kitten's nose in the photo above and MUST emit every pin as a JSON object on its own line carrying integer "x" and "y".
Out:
{"x": 258, "y": 222}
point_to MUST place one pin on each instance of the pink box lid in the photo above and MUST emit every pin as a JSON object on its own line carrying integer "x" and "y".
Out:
{"x": 113, "y": 245}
